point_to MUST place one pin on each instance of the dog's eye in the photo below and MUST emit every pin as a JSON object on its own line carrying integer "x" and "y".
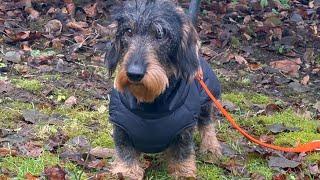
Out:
{"x": 128, "y": 32}
{"x": 160, "y": 33}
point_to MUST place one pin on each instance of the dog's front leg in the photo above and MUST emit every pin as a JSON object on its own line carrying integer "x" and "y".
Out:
{"x": 209, "y": 142}
{"x": 126, "y": 164}
{"x": 181, "y": 156}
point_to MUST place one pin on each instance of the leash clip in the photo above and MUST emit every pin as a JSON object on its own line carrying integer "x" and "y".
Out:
{"x": 199, "y": 74}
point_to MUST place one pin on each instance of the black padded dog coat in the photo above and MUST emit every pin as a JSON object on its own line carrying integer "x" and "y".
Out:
{"x": 151, "y": 127}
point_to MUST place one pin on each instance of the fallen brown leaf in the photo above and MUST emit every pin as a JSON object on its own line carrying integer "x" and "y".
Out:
{"x": 7, "y": 152}
{"x": 305, "y": 80}
{"x": 33, "y": 14}
{"x": 97, "y": 164}
{"x": 246, "y": 19}
{"x": 55, "y": 173}
{"x": 254, "y": 66}
{"x": 287, "y": 66}
{"x": 272, "y": 108}
{"x": 240, "y": 59}
{"x": 267, "y": 139}
{"x": 4, "y": 177}
{"x": 70, "y": 7}
{"x": 104, "y": 176}
{"x": 207, "y": 51}
{"x": 80, "y": 26}
{"x": 57, "y": 140}
{"x": 23, "y": 36}
{"x": 57, "y": 44}
{"x": 279, "y": 176}
{"x": 25, "y": 47}
{"x": 102, "y": 152}
{"x": 71, "y": 101}
{"x": 32, "y": 149}
{"x": 53, "y": 27}
{"x": 29, "y": 176}
{"x": 91, "y": 10}
{"x": 5, "y": 87}
{"x": 282, "y": 162}
{"x": 79, "y": 39}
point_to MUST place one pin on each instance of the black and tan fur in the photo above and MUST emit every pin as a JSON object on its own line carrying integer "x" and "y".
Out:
{"x": 160, "y": 41}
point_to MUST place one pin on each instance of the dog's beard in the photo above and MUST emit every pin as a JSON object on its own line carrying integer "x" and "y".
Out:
{"x": 149, "y": 88}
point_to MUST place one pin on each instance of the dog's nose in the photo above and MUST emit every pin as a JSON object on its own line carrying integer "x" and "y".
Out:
{"x": 135, "y": 73}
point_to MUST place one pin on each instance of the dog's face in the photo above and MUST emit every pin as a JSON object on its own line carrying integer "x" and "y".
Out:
{"x": 155, "y": 40}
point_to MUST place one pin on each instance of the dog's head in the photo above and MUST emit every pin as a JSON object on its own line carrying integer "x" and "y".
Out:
{"x": 155, "y": 41}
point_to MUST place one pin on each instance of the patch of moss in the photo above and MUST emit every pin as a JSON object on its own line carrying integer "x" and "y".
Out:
{"x": 235, "y": 43}
{"x": 313, "y": 157}
{"x": 9, "y": 118}
{"x": 75, "y": 171}
{"x": 31, "y": 85}
{"x": 258, "y": 165}
{"x": 81, "y": 121}
{"x": 294, "y": 138}
{"x": 51, "y": 77}
{"x": 317, "y": 59}
{"x": 103, "y": 139}
{"x": 229, "y": 84}
{"x": 258, "y": 98}
{"x": 74, "y": 128}
{"x": 23, "y": 165}
{"x": 240, "y": 98}
{"x": 11, "y": 113}
{"x": 245, "y": 81}
{"x": 19, "y": 105}
{"x": 61, "y": 94}
{"x": 288, "y": 118}
{"x": 38, "y": 53}
{"x": 225, "y": 132}
{"x": 234, "y": 97}
{"x": 44, "y": 131}
{"x": 208, "y": 171}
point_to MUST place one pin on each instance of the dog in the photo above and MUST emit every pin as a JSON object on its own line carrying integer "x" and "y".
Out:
{"x": 156, "y": 104}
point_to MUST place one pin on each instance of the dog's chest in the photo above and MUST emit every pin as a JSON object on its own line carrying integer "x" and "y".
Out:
{"x": 152, "y": 127}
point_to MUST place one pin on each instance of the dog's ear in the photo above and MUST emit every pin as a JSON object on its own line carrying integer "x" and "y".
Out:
{"x": 112, "y": 56}
{"x": 188, "y": 51}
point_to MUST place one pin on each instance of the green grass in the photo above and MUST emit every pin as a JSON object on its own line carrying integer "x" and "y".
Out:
{"x": 313, "y": 157}
{"x": 103, "y": 139}
{"x": 245, "y": 100}
{"x": 31, "y": 85}
{"x": 23, "y": 165}
{"x": 294, "y": 138}
{"x": 61, "y": 95}
{"x": 38, "y": 53}
{"x": 158, "y": 173}
{"x": 11, "y": 113}
{"x": 210, "y": 172}
{"x": 20, "y": 166}
{"x": 259, "y": 165}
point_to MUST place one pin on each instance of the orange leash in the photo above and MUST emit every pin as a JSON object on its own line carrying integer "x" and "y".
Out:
{"x": 311, "y": 146}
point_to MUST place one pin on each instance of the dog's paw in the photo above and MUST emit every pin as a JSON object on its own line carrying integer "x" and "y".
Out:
{"x": 124, "y": 171}
{"x": 183, "y": 170}
{"x": 212, "y": 148}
